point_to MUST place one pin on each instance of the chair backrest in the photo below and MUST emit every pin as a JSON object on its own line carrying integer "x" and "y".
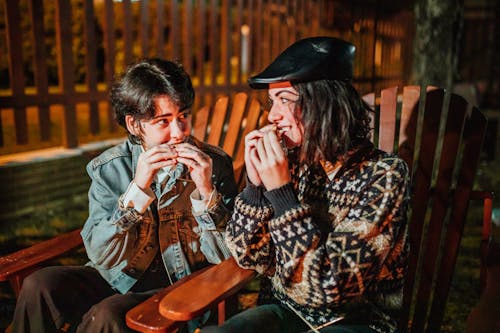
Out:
{"x": 440, "y": 137}
{"x": 225, "y": 125}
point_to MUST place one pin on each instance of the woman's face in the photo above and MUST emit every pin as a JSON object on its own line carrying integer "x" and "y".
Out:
{"x": 169, "y": 124}
{"x": 285, "y": 115}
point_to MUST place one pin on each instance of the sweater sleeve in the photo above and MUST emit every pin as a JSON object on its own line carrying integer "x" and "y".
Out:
{"x": 367, "y": 220}
{"x": 247, "y": 233}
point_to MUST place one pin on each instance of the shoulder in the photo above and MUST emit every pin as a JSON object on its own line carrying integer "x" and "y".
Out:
{"x": 391, "y": 163}
{"x": 372, "y": 162}
{"x": 116, "y": 154}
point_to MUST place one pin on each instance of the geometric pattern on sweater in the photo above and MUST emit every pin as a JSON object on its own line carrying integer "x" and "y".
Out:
{"x": 344, "y": 246}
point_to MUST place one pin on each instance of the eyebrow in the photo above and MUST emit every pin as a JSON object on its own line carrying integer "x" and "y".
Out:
{"x": 284, "y": 91}
{"x": 166, "y": 115}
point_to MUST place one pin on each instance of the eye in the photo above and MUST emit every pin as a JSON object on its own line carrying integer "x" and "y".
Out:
{"x": 184, "y": 115}
{"x": 163, "y": 121}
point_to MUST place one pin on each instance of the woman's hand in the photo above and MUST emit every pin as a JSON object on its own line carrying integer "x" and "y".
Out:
{"x": 251, "y": 140}
{"x": 270, "y": 161}
{"x": 151, "y": 161}
{"x": 199, "y": 165}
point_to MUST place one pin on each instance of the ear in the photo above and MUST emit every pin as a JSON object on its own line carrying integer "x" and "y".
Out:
{"x": 133, "y": 126}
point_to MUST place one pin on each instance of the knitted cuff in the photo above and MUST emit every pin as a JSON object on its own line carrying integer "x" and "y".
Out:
{"x": 282, "y": 199}
{"x": 254, "y": 195}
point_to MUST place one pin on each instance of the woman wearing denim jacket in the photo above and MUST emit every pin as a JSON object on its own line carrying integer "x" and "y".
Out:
{"x": 158, "y": 204}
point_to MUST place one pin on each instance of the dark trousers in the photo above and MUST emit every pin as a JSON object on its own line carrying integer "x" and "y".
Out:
{"x": 72, "y": 299}
{"x": 274, "y": 318}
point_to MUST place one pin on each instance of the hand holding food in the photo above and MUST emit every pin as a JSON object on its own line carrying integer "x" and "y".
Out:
{"x": 199, "y": 165}
{"x": 150, "y": 161}
{"x": 265, "y": 154}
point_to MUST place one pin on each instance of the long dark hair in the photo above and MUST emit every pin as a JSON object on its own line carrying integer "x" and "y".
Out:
{"x": 335, "y": 118}
{"x": 134, "y": 92}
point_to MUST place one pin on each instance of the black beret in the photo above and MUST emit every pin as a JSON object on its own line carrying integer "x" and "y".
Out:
{"x": 309, "y": 59}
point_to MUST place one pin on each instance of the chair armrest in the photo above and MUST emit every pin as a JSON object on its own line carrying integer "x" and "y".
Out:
{"x": 15, "y": 266}
{"x": 195, "y": 296}
{"x": 145, "y": 316}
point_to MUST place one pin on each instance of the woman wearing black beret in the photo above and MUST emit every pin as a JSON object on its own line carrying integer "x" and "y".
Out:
{"x": 323, "y": 215}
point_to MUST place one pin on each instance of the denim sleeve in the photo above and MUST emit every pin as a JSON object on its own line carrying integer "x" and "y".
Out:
{"x": 212, "y": 221}
{"x": 108, "y": 233}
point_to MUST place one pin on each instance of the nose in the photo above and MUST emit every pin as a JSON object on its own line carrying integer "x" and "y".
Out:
{"x": 274, "y": 115}
{"x": 177, "y": 130}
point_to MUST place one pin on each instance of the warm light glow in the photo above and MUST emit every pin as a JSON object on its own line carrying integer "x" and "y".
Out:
{"x": 378, "y": 53}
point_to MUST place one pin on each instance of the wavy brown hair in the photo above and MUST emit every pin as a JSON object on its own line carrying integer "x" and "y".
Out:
{"x": 335, "y": 118}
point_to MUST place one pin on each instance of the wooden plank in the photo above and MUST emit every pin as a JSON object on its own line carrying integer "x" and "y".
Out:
{"x": 201, "y": 123}
{"x": 65, "y": 69}
{"x": 15, "y": 263}
{"x": 257, "y": 58}
{"x": 160, "y": 24}
{"x": 440, "y": 196}
{"x": 251, "y": 36}
{"x": 91, "y": 63}
{"x": 217, "y": 122}
{"x": 127, "y": 31}
{"x": 187, "y": 34}
{"x": 421, "y": 194}
{"x": 192, "y": 298}
{"x": 408, "y": 124}
{"x": 202, "y": 42}
{"x": 214, "y": 42}
{"x": 110, "y": 51}
{"x": 235, "y": 123}
{"x": 174, "y": 29}
{"x": 226, "y": 42}
{"x": 146, "y": 317}
{"x": 237, "y": 51}
{"x": 387, "y": 123}
{"x": 265, "y": 49}
{"x": 144, "y": 27}
{"x": 40, "y": 66}
{"x": 13, "y": 20}
{"x": 474, "y": 133}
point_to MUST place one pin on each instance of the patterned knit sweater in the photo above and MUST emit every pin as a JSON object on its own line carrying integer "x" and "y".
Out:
{"x": 332, "y": 248}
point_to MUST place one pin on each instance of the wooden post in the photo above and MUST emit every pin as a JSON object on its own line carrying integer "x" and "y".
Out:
{"x": 65, "y": 72}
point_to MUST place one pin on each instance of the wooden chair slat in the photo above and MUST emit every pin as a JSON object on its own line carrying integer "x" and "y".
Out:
{"x": 421, "y": 192}
{"x": 473, "y": 138}
{"x": 387, "y": 123}
{"x": 235, "y": 123}
{"x": 440, "y": 202}
{"x": 201, "y": 123}
{"x": 408, "y": 124}
{"x": 217, "y": 123}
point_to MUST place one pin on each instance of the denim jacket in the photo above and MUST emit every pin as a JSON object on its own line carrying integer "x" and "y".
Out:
{"x": 121, "y": 243}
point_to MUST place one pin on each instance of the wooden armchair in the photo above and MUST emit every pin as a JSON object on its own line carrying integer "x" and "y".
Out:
{"x": 440, "y": 137}
{"x": 224, "y": 124}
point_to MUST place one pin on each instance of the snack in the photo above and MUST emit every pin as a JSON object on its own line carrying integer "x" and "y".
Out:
{"x": 279, "y": 133}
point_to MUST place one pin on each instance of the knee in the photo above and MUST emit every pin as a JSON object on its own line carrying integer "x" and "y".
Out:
{"x": 103, "y": 317}
{"x": 38, "y": 281}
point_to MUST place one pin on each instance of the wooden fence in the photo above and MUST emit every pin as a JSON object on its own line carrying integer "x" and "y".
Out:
{"x": 57, "y": 96}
